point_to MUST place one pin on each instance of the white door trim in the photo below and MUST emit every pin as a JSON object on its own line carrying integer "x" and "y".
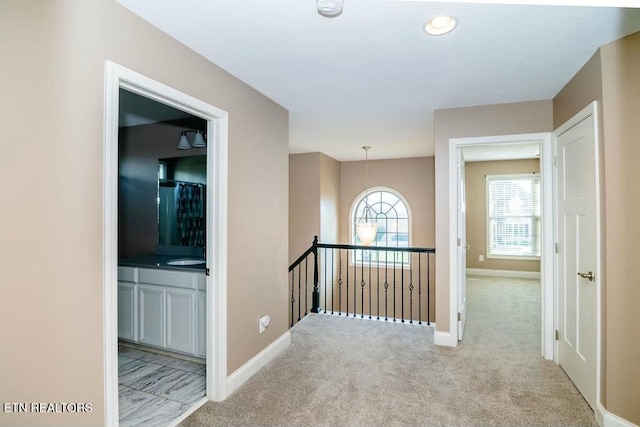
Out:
{"x": 546, "y": 260}
{"x": 589, "y": 110}
{"x": 117, "y": 77}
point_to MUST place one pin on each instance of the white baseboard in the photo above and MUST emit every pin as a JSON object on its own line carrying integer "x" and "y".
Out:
{"x": 607, "y": 419}
{"x": 503, "y": 273}
{"x": 444, "y": 339}
{"x": 246, "y": 371}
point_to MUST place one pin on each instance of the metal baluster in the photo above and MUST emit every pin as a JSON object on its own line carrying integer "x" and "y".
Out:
{"x": 394, "y": 287}
{"x": 411, "y": 288}
{"x": 369, "y": 283}
{"x": 339, "y": 282}
{"x": 428, "y": 288}
{"x": 361, "y": 285}
{"x": 386, "y": 288}
{"x": 378, "y": 282}
{"x": 299, "y": 293}
{"x": 325, "y": 282}
{"x": 355, "y": 280}
{"x": 293, "y": 300}
{"x": 333, "y": 286}
{"x": 347, "y": 270}
{"x": 306, "y": 285}
{"x": 402, "y": 286}
{"x": 419, "y": 289}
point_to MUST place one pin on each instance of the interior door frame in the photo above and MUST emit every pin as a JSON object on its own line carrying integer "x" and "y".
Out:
{"x": 461, "y": 241}
{"x": 547, "y": 259}
{"x": 589, "y": 110}
{"x": 117, "y": 77}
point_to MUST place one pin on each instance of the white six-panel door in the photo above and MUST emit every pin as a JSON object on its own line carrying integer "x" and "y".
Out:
{"x": 577, "y": 256}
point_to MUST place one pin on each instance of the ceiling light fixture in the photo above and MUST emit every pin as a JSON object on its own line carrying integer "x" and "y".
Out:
{"x": 367, "y": 226}
{"x": 198, "y": 140}
{"x": 440, "y": 25}
{"x": 330, "y": 8}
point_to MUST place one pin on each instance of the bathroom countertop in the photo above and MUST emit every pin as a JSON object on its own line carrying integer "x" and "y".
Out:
{"x": 160, "y": 262}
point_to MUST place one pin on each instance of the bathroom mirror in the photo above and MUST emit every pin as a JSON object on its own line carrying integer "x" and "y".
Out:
{"x": 182, "y": 201}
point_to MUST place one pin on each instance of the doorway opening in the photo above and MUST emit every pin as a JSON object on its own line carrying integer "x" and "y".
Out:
{"x": 489, "y": 157}
{"x": 165, "y": 319}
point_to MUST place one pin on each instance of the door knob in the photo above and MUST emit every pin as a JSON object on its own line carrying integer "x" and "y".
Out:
{"x": 588, "y": 275}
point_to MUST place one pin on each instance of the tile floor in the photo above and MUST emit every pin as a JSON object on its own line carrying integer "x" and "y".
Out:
{"x": 155, "y": 389}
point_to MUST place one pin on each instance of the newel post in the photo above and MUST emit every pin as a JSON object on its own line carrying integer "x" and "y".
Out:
{"x": 316, "y": 290}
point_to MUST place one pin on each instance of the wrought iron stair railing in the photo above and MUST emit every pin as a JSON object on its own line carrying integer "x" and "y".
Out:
{"x": 385, "y": 283}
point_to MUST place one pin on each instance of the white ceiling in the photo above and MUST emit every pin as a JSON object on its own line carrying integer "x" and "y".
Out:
{"x": 371, "y": 76}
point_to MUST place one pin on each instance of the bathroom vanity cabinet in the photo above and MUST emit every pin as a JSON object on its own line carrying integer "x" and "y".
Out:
{"x": 163, "y": 308}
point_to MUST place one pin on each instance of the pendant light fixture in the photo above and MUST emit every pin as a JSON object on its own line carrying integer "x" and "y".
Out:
{"x": 366, "y": 226}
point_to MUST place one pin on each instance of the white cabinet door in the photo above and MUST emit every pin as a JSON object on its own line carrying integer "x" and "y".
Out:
{"x": 181, "y": 320}
{"x": 152, "y": 315}
{"x": 202, "y": 324}
{"x": 127, "y": 311}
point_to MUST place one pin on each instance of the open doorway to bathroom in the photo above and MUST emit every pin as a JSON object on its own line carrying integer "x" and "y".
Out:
{"x": 164, "y": 237}
{"x": 162, "y": 209}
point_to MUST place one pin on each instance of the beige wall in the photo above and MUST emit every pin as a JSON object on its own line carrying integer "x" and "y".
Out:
{"x": 488, "y": 120}
{"x": 304, "y": 202}
{"x": 51, "y": 315}
{"x": 621, "y": 112}
{"x": 476, "y": 192}
{"x": 314, "y": 201}
{"x": 329, "y": 199}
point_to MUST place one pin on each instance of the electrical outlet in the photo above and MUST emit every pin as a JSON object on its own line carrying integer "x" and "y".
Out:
{"x": 481, "y": 258}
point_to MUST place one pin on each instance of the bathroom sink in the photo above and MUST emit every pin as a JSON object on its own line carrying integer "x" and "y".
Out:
{"x": 186, "y": 261}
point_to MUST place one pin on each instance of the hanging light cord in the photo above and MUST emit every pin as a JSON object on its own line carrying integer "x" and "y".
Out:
{"x": 367, "y": 208}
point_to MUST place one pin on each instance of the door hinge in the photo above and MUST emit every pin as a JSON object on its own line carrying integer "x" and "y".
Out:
{"x": 555, "y": 161}
{"x": 459, "y": 317}
{"x": 557, "y": 248}
{"x": 459, "y": 242}
{"x": 206, "y": 271}
{"x": 557, "y": 335}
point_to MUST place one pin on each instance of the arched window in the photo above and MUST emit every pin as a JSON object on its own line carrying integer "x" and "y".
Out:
{"x": 391, "y": 211}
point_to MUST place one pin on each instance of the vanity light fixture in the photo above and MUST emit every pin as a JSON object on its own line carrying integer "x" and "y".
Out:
{"x": 330, "y": 8}
{"x": 440, "y": 25}
{"x": 198, "y": 140}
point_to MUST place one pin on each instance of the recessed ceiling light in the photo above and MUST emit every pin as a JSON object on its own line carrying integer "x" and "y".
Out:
{"x": 440, "y": 25}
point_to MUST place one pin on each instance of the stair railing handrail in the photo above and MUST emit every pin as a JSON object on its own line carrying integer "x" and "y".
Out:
{"x": 315, "y": 295}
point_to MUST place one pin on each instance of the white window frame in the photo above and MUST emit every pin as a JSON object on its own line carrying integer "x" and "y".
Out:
{"x": 352, "y": 228}
{"x": 523, "y": 257}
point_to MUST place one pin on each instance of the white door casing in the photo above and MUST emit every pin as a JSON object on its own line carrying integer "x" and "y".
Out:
{"x": 117, "y": 77}
{"x": 577, "y": 255}
{"x": 546, "y": 261}
{"x": 462, "y": 246}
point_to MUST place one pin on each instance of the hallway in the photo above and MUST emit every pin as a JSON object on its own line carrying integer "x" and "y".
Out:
{"x": 354, "y": 372}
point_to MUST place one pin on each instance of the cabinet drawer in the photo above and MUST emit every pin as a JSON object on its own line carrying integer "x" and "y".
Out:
{"x": 127, "y": 274}
{"x": 176, "y": 279}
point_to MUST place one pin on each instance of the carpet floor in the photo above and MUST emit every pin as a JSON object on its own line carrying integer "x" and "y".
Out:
{"x": 349, "y": 372}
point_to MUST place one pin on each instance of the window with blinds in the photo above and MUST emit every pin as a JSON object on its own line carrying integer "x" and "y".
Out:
{"x": 513, "y": 216}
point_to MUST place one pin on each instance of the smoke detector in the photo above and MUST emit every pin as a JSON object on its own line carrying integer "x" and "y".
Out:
{"x": 330, "y": 8}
